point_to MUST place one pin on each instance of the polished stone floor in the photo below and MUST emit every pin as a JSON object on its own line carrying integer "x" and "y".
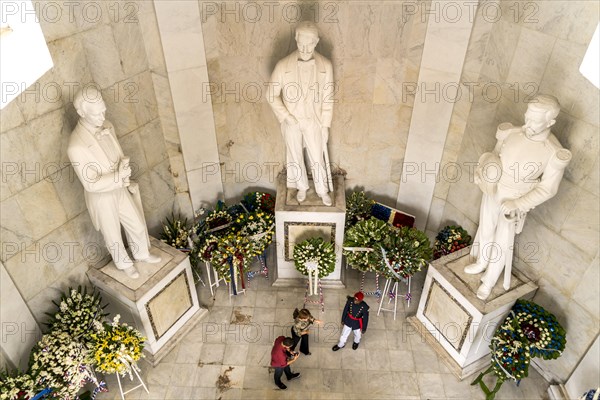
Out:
{"x": 227, "y": 355}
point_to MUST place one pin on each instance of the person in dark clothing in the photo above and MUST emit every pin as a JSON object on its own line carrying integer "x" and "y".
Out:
{"x": 303, "y": 319}
{"x": 355, "y": 318}
{"x": 282, "y": 358}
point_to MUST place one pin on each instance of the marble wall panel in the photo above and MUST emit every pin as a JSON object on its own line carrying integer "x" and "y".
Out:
{"x": 166, "y": 112}
{"x": 41, "y": 303}
{"x": 151, "y": 38}
{"x": 50, "y": 138}
{"x": 586, "y": 294}
{"x": 582, "y": 225}
{"x": 358, "y": 80}
{"x": 70, "y": 66}
{"x": 153, "y": 143}
{"x": 563, "y": 79}
{"x": 15, "y": 233}
{"x": 55, "y": 19}
{"x": 20, "y": 162}
{"x": 44, "y": 96}
{"x": 90, "y": 14}
{"x": 139, "y": 90}
{"x": 69, "y": 190}
{"x": 574, "y": 21}
{"x": 120, "y": 110}
{"x": 130, "y": 44}
{"x": 10, "y": 117}
{"x": 531, "y": 57}
{"x": 499, "y": 51}
{"x": 132, "y": 148}
{"x": 581, "y": 138}
{"x": 41, "y": 219}
{"x": 388, "y": 81}
{"x": 15, "y": 313}
{"x": 592, "y": 181}
{"x": 103, "y": 56}
{"x": 555, "y": 211}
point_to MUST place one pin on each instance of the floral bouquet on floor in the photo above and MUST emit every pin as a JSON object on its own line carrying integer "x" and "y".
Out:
{"x": 61, "y": 364}
{"x": 19, "y": 386}
{"x": 117, "y": 348}
{"x": 365, "y": 235}
{"x": 405, "y": 252}
{"x": 182, "y": 235}
{"x": 450, "y": 239}
{"x": 78, "y": 314}
{"x": 529, "y": 331}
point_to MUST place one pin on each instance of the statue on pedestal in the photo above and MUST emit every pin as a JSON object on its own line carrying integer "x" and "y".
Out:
{"x": 523, "y": 171}
{"x": 112, "y": 199}
{"x": 301, "y": 96}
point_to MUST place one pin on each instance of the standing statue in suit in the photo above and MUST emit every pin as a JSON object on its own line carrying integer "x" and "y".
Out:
{"x": 111, "y": 198}
{"x": 301, "y": 96}
{"x": 523, "y": 171}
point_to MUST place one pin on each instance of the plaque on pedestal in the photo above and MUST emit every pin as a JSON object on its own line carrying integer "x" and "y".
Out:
{"x": 295, "y": 222}
{"x": 457, "y": 324}
{"x": 162, "y": 303}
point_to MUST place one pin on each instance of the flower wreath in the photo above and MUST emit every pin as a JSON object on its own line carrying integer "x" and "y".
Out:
{"x": 315, "y": 249}
{"x": 365, "y": 234}
{"x": 232, "y": 247}
{"x": 217, "y": 221}
{"x": 117, "y": 347}
{"x": 206, "y": 249}
{"x": 407, "y": 251}
{"x": 529, "y": 331}
{"x": 257, "y": 227}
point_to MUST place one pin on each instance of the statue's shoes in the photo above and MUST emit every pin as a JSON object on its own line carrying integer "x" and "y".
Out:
{"x": 150, "y": 259}
{"x": 476, "y": 268}
{"x": 301, "y": 196}
{"x": 484, "y": 291}
{"x": 131, "y": 272}
{"x": 326, "y": 199}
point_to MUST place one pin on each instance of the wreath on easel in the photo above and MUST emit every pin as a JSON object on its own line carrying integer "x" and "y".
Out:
{"x": 315, "y": 250}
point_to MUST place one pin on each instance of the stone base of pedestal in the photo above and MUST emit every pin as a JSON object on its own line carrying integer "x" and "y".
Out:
{"x": 296, "y": 222}
{"x": 458, "y": 371}
{"x": 452, "y": 317}
{"x": 162, "y": 303}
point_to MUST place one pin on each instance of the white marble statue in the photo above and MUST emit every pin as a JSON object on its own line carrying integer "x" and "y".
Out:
{"x": 301, "y": 96}
{"x": 523, "y": 171}
{"x": 111, "y": 197}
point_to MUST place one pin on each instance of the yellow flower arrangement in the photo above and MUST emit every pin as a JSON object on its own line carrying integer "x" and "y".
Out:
{"x": 117, "y": 347}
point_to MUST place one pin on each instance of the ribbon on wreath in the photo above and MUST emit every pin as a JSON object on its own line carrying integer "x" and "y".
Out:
{"x": 233, "y": 274}
{"x": 312, "y": 267}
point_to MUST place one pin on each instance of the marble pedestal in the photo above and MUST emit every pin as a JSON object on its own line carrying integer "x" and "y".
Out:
{"x": 457, "y": 324}
{"x": 295, "y": 222}
{"x": 162, "y": 303}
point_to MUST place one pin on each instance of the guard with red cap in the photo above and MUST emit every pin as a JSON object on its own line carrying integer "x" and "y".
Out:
{"x": 355, "y": 318}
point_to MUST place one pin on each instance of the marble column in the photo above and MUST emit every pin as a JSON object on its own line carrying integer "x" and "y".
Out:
{"x": 448, "y": 32}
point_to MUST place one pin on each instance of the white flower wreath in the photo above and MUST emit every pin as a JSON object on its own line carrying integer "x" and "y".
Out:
{"x": 316, "y": 250}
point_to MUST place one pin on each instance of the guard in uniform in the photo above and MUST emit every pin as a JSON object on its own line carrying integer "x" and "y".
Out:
{"x": 355, "y": 318}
